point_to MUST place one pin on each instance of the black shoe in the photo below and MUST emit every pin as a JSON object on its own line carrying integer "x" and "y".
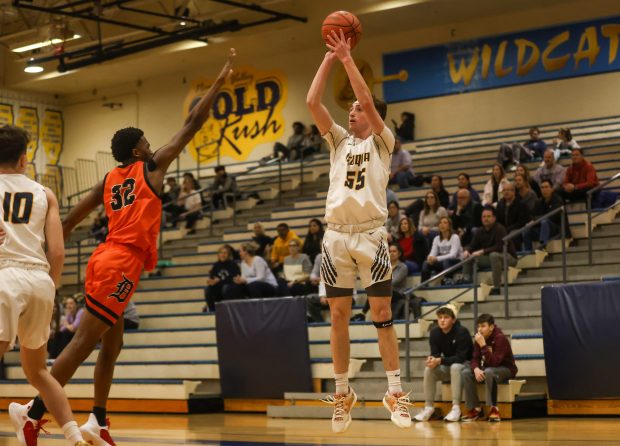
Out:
{"x": 359, "y": 317}
{"x": 463, "y": 281}
{"x": 495, "y": 292}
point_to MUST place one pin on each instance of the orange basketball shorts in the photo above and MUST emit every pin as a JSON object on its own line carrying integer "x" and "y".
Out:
{"x": 112, "y": 276}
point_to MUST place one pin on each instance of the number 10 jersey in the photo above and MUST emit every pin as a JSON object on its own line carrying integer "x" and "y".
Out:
{"x": 23, "y": 212}
{"x": 358, "y": 178}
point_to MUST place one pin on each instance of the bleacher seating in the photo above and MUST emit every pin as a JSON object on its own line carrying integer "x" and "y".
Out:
{"x": 174, "y": 349}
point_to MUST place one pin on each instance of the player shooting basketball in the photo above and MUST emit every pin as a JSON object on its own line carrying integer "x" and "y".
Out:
{"x": 356, "y": 238}
{"x": 130, "y": 194}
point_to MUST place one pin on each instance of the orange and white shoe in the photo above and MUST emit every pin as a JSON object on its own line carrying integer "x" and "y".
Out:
{"x": 96, "y": 435}
{"x": 343, "y": 403}
{"x": 26, "y": 428}
{"x": 397, "y": 404}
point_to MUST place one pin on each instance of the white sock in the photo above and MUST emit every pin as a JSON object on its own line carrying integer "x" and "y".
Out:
{"x": 394, "y": 381}
{"x": 72, "y": 433}
{"x": 342, "y": 382}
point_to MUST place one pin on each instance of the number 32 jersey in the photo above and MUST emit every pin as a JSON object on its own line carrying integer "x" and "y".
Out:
{"x": 133, "y": 209}
{"x": 23, "y": 212}
{"x": 358, "y": 177}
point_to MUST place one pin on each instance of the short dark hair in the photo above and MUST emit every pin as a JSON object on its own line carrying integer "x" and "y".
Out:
{"x": 123, "y": 143}
{"x": 395, "y": 203}
{"x": 534, "y": 129}
{"x": 380, "y": 106}
{"x": 13, "y": 144}
{"x": 547, "y": 180}
{"x": 220, "y": 169}
{"x": 401, "y": 253}
{"x": 491, "y": 209}
{"x": 283, "y": 225}
{"x": 485, "y": 318}
{"x": 446, "y": 312}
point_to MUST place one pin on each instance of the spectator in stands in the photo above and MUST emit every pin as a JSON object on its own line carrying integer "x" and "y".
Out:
{"x": 280, "y": 246}
{"x": 493, "y": 188}
{"x": 512, "y": 212}
{"x": 99, "y": 229}
{"x": 580, "y": 178}
{"x": 492, "y": 363}
{"x": 464, "y": 183}
{"x": 451, "y": 351}
{"x": 223, "y": 187}
{"x": 428, "y": 224}
{"x": 172, "y": 191}
{"x": 516, "y": 153}
{"x": 293, "y": 145}
{"x": 314, "y": 239}
{"x": 525, "y": 193}
{"x": 438, "y": 187}
{"x": 399, "y": 286}
{"x": 188, "y": 207}
{"x": 69, "y": 323}
{"x": 220, "y": 284}
{"x": 466, "y": 216}
{"x": 190, "y": 176}
{"x": 393, "y": 221}
{"x": 564, "y": 143}
{"x": 262, "y": 240}
{"x": 131, "y": 319}
{"x": 413, "y": 245}
{"x": 312, "y": 142}
{"x": 523, "y": 170}
{"x": 406, "y": 129}
{"x": 54, "y": 325}
{"x": 445, "y": 252}
{"x": 487, "y": 245}
{"x": 256, "y": 277}
{"x": 316, "y": 304}
{"x": 549, "y": 227}
{"x": 297, "y": 269}
{"x": 550, "y": 170}
{"x": 390, "y": 196}
{"x": 401, "y": 171}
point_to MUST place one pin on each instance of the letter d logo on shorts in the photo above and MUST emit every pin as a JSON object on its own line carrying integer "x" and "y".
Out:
{"x": 123, "y": 289}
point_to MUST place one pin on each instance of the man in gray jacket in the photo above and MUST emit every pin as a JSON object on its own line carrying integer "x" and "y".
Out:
{"x": 550, "y": 170}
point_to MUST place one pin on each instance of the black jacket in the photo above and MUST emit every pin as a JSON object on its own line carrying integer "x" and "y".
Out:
{"x": 513, "y": 216}
{"x": 491, "y": 240}
{"x": 453, "y": 347}
{"x": 542, "y": 208}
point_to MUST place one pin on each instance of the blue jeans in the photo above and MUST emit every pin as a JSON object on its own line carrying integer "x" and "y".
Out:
{"x": 403, "y": 179}
{"x": 543, "y": 232}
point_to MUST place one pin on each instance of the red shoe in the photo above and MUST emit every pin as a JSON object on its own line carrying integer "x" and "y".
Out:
{"x": 95, "y": 434}
{"x": 472, "y": 415}
{"x": 494, "y": 415}
{"x": 26, "y": 428}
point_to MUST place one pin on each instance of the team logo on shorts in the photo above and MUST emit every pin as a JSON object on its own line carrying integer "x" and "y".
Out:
{"x": 123, "y": 289}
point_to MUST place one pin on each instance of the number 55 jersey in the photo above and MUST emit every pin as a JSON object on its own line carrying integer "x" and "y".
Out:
{"x": 358, "y": 177}
{"x": 134, "y": 210}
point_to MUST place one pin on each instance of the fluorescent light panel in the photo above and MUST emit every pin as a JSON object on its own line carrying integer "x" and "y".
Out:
{"x": 34, "y": 46}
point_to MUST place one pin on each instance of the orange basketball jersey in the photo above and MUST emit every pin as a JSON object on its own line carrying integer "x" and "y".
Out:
{"x": 133, "y": 209}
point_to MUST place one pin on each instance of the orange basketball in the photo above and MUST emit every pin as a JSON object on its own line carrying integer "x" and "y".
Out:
{"x": 345, "y": 21}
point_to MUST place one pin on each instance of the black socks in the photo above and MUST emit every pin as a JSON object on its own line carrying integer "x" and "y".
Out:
{"x": 38, "y": 409}
{"x": 100, "y": 414}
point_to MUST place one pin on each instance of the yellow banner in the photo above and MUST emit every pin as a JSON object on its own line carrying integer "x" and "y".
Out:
{"x": 6, "y": 114}
{"x": 28, "y": 119}
{"x": 246, "y": 112}
{"x": 51, "y": 135}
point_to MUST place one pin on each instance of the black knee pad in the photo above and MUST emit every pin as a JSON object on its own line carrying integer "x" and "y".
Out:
{"x": 385, "y": 324}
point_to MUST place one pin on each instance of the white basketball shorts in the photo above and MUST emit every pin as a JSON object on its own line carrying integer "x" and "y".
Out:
{"x": 26, "y": 306}
{"x": 345, "y": 255}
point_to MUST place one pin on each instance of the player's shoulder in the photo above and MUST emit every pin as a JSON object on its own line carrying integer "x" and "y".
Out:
{"x": 336, "y": 135}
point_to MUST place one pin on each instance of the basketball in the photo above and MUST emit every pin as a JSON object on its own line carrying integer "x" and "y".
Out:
{"x": 345, "y": 21}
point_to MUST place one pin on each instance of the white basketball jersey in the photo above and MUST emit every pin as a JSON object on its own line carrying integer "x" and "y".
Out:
{"x": 23, "y": 211}
{"x": 358, "y": 177}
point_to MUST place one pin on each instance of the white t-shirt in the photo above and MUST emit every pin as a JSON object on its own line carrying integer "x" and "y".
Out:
{"x": 358, "y": 177}
{"x": 23, "y": 212}
{"x": 191, "y": 201}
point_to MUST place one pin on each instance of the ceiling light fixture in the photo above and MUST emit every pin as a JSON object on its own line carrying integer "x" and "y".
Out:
{"x": 43, "y": 44}
{"x": 32, "y": 67}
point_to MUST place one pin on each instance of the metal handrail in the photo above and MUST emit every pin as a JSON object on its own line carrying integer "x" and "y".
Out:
{"x": 424, "y": 284}
{"x": 589, "y": 210}
{"x": 527, "y": 227}
{"x": 78, "y": 243}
